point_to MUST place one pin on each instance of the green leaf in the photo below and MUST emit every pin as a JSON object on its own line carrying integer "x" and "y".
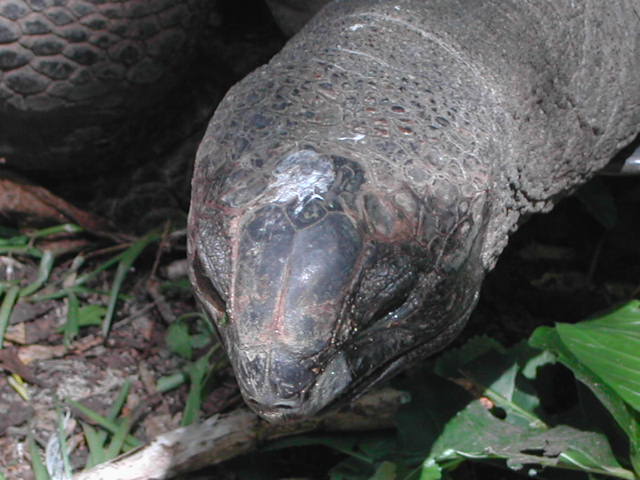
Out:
{"x": 530, "y": 368}
{"x": 513, "y": 431}
{"x": 91, "y": 315}
{"x": 178, "y": 340}
{"x": 610, "y": 347}
{"x": 431, "y": 471}
{"x": 495, "y": 372}
{"x": 549, "y": 339}
{"x": 476, "y": 433}
{"x": 77, "y": 317}
{"x": 386, "y": 471}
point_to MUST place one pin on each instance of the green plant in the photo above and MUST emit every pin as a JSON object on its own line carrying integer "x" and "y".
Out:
{"x": 484, "y": 402}
{"x": 197, "y": 373}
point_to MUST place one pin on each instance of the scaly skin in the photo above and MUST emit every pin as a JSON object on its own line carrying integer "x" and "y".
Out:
{"x": 76, "y": 76}
{"x": 349, "y": 196}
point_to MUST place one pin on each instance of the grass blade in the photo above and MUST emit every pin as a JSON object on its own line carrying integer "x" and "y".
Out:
{"x": 5, "y": 310}
{"x": 46, "y": 264}
{"x": 104, "y": 422}
{"x": 39, "y": 470}
{"x": 126, "y": 261}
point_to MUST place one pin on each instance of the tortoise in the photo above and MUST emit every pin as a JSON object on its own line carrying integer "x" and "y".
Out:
{"x": 348, "y": 197}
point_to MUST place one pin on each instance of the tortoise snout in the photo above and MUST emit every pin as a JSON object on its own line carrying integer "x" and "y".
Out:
{"x": 280, "y": 384}
{"x": 274, "y": 382}
{"x": 275, "y": 409}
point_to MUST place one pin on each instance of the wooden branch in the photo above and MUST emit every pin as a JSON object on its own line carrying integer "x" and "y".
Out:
{"x": 225, "y": 436}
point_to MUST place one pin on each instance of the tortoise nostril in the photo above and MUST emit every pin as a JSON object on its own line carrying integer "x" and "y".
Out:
{"x": 272, "y": 404}
{"x": 285, "y": 406}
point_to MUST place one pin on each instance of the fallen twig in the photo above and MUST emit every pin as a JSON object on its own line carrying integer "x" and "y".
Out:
{"x": 225, "y": 436}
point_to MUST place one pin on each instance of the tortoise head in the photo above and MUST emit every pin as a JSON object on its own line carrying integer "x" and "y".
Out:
{"x": 321, "y": 281}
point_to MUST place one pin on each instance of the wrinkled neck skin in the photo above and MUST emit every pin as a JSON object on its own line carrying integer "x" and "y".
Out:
{"x": 347, "y": 200}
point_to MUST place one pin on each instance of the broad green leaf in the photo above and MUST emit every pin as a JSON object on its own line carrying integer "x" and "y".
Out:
{"x": 610, "y": 347}
{"x": 472, "y": 433}
{"x": 548, "y": 338}
{"x": 496, "y": 375}
{"x": 623, "y": 317}
{"x": 530, "y": 369}
{"x": 477, "y": 434}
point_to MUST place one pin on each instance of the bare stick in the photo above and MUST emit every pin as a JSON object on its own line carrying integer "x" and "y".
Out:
{"x": 225, "y": 436}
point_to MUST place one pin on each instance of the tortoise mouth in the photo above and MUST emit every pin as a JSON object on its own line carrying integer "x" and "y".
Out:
{"x": 386, "y": 371}
{"x": 281, "y": 386}
{"x": 432, "y": 344}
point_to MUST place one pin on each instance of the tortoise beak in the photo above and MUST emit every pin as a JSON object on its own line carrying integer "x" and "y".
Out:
{"x": 289, "y": 286}
{"x": 279, "y": 386}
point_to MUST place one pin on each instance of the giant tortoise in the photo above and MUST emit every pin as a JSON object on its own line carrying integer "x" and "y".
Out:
{"x": 348, "y": 197}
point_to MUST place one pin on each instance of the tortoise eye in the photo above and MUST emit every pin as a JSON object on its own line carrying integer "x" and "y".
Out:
{"x": 390, "y": 306}
{"x": 208, "y": 294}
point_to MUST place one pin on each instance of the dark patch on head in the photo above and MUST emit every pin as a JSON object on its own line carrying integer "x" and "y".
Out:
{"x": 313, "y": 211}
